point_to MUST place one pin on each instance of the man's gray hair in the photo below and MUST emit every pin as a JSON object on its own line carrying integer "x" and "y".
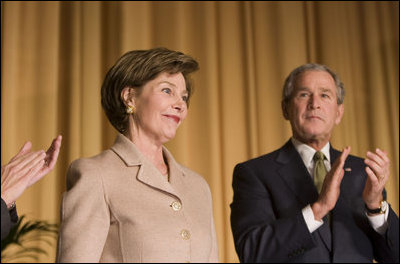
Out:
{"x": 290, "y": 81}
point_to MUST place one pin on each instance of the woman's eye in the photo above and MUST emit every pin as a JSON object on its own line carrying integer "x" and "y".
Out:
{"x": 185, "y": 98}
{"x": 303, "y": 94}
{"x": 166, "y": 90}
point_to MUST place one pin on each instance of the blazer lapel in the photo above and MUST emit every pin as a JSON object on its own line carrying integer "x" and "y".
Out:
{"x": 147, "y": 173}
{"x": 176, "y": 176}
{"x": 150, "y": 176}
{"x": 295, "y": 174}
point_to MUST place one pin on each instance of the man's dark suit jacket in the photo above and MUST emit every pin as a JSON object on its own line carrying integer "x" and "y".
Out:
{"x": 267, "y": 222}
{"x": 8, "y": 219}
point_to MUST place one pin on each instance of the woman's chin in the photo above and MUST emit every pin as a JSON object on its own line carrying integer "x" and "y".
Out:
{"x": 169, "y": 136}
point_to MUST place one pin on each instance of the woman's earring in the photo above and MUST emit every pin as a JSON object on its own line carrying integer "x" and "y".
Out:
{"x": 130, "y": 110}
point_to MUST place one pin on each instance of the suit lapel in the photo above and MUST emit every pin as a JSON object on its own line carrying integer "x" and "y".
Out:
{"x": 150, "y": 176}
{"x": 176, "y": 176}
{"x": 295, "y": 174}
{"x": 147, "y": 172}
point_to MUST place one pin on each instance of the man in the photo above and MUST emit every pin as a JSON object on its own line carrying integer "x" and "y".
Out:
{"x": 278, "y": 214}
{"x": 23, "y": 170}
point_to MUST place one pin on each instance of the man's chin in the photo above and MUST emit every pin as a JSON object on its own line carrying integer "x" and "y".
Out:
{"x": 310, "y": 136}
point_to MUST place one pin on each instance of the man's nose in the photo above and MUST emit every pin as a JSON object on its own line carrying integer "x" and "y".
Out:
{"x": 314, "y": 102}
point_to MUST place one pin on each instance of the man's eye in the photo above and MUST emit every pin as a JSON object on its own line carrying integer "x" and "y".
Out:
{"x": 166, "y": 90}
{"x": 325, "y": 95}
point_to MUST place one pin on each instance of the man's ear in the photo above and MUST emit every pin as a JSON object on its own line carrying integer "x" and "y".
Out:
{"x": 128, "y": 96}
{"x": 285, "y": 110}
{"x": 340, "y": 112}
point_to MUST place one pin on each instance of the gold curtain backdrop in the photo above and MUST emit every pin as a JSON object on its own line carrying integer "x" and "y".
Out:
{"x": 55, "y": 56}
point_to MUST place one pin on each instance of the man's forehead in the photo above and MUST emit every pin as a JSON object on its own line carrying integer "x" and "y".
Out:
{"x": 310, "y": 77}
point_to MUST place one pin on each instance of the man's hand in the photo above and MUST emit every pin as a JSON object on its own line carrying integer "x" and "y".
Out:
{"x": 377, "y": 170}
{"x": 331, "y": 187}
{"x": 26, "y": 168}
{"x": 49, "y": 161}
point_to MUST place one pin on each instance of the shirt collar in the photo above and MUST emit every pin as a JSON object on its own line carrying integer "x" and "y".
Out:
{"x": 307, "y": 153}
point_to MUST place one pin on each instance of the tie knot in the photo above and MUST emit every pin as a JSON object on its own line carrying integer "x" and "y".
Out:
{"x": 319, "y": 156}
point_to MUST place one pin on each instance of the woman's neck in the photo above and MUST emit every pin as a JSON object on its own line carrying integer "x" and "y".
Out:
{"x": 151, "y": 150}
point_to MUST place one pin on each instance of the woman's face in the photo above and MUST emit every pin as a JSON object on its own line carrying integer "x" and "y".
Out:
{"x": 161, "y": 107}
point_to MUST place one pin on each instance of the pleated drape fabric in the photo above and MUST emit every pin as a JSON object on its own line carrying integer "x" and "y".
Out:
{"x": 55, "y": 56}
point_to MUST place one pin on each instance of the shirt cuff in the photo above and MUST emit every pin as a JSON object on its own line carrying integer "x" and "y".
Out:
{"x": 379, "y": 222}
{"x": 308, "y": 215}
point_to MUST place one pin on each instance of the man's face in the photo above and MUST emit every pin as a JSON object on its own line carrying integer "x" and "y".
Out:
{"x": 313, "y": 110}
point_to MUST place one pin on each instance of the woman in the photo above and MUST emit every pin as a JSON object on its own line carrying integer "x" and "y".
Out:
{"x": 134, "y": 202}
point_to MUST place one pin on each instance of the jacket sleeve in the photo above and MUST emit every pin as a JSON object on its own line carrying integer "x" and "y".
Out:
{"x": 259, "y": 235}
{"x": 85, "y": 216}
{"x": 386, "y": 246}
{"x": 8, "y": 219}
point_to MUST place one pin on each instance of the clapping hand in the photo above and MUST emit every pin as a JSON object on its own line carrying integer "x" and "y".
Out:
{"x": 377, "y": 170}
{"x": 331, "y": 187}
{"x": 26, "y": 168}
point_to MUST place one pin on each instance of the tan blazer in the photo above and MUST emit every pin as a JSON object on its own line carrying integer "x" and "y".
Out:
{"x": 119, "y": 208}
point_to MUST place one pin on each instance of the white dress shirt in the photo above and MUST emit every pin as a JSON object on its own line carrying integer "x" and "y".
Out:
{"x": 378, "y": 222}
